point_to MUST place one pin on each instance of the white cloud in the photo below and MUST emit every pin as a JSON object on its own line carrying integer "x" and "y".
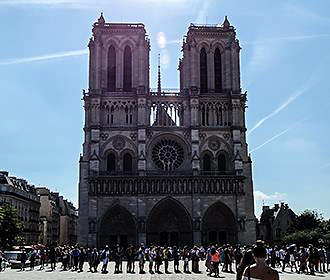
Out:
{"x": 44, "y": 57}
{"x": 276, "y": 196}
{"x": 291, "y": 98}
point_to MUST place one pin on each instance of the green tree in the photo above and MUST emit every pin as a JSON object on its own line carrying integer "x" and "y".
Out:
{"x": 11, "y": 228}
{"x": 310, "y": 227}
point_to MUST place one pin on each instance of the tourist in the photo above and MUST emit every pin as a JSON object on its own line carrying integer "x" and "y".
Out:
{"x": 158, "y": 260}
{"x": 129, "y": 257}
{"x": 237, "y": 256}
{"x": 215, "y": 261}
{"x": 1, "y": 260}
{"x": 141, "y": 258}
{"x": 105, "y": 259}
{"x": 194, "y": 255}
{"x": 23, "y": 259}
{"x": 52, "y": 258}
{"x": 176, "y": 259}
{"x": 311, "y": 259}
{"x": 166, "y": 257}
{"x": 303, "y": 257}
{"x": 260, "y": 270}
{"x": 82, "y": 259}
{"x": 118, "y": 259}
{"x": 186, "y": 258}
{"x": 152, "y": 257}
{"x": 32, "y": 259}
{"x": 246, "y": 261}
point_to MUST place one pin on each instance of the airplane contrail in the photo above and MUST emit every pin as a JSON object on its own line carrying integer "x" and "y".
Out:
{"x": 294, "y": 96}
{"x": 280, "y": 134}
{"x": 44, "y": 57}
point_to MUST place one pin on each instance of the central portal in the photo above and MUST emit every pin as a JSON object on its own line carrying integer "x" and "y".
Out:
{"x": 169, "y": 223}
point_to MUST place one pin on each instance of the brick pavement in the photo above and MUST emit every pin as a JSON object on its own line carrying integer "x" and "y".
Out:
{"x": 13, "y": 274}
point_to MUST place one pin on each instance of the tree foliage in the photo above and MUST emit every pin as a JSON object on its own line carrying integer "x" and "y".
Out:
{"x": 11, "y": 228}
{"x": 310, "y": 227}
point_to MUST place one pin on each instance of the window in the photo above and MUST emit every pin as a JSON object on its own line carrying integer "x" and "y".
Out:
{"x": 111, "y": 162}
{"x": 112, "y": 114}
{"x": 127, "y": 69}
{"x": 221, "y": 163}
{"x": 203, "y": 70}
{"x": 127, "y": 166}
{"x": 217, "y": 71}
{"x": 112, "y": 69}
{"x": 207, "y": 163}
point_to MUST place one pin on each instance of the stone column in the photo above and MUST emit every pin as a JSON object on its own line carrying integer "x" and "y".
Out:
{"x": 227, "y": 69}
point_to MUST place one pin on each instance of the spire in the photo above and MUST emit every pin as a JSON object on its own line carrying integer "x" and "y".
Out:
{"x": 159, "y": 87}
{"x": 226, "y": 23}
{"x": 101, "y": 20}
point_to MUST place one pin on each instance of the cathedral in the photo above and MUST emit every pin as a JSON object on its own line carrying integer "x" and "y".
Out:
{"x": 165, "y": 167}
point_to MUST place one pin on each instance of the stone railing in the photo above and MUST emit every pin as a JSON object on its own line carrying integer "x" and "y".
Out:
{"x": 121, "y": 186}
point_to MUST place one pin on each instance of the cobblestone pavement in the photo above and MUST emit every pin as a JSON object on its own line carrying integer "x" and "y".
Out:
{"x": 46, "y": 274}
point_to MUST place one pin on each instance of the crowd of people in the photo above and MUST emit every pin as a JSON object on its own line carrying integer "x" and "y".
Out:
{"x": 248, "y": 262}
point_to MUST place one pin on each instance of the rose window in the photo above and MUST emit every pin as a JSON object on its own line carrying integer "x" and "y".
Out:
{"x": 167, "y": 154}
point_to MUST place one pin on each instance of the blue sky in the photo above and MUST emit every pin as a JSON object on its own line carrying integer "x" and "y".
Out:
{"x": 284, "y": 68}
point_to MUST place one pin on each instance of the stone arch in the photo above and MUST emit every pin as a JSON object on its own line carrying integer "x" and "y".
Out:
{"x": 219, "y": 224}
{"x": 218, "y": 45}
{"x": 227, "y": 158}
{"x": 117, "y": 226}
{"x": 175, "y": 227}
{"x": 133, "y": 158}
{"x": 207, "y": 156}
{"x": 205, "y": 45}
{"x": 108, "y": 145}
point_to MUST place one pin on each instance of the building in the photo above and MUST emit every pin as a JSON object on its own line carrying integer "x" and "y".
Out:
{"x": 49, "y": 216}
{"x": 23, "y": 196}
{"x": 158, "y": 166}
{"x": 68, "y": 222}
{"x": 274, "y": 222}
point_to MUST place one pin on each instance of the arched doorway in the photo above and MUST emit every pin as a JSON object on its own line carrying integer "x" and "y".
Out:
{"x": 219, "y": 225}
{"x": 169, "y": 223}
{"x": 117, "y": 227}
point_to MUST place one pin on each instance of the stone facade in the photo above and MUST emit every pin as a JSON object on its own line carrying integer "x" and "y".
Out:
{"x": 68, "y": 222}
{"x": 23, "y": 196}
{"x": 165, "y": 167}
{"x": 274, "y": 222}
{"x": 49, "y": 216}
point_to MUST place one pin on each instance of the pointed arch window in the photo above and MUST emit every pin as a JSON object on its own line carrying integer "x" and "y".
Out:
{"x": 127, "y": 164}
{"x": 207, "y": 163}
{"x": 112, "y": 69}
{"x": 111, "y": 162}
{"x": 217, "y": 71}
{"x": 222, "y": 163}
{"x": 203, "y": 70}
{"x": 127, "y": 69}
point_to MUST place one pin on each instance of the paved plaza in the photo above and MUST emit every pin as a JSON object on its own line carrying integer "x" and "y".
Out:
{"x": 58, "y": 274}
